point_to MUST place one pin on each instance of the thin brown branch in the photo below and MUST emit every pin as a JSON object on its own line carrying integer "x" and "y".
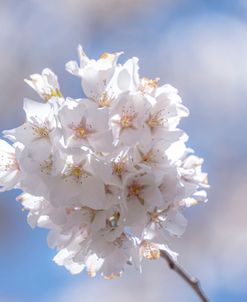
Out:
{"x": 191, "y": 281}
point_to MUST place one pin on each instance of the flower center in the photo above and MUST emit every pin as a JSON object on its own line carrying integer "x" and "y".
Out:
{"x": 41, "y": 131}
{"x": 135, "y": 190}
{"x": 154, "y": 217}
{"x": 157, "y": 119}
{"x": 46, "y": 166}
{"x": 104, "y": 100}
{"x": 76, "y": 171}
{"x": 127, "y": 120}
{"x": 148, "y": 85}
{"x": 148, "y": 157}
{"x": 149, "y": 250}
{"x": 53, "y": 93}
{"x": 118, "y": 168}
{"x": 80, "y": 132}
{"x": 152, "y": 83}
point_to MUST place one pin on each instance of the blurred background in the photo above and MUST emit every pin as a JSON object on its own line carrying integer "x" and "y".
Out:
{"x": 198, "y": 46}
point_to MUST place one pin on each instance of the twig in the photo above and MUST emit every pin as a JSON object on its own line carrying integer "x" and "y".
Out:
{"x": 193, "y": 282}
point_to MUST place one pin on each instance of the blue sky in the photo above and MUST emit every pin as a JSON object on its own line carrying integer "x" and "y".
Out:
{"x": 216, "y": 126}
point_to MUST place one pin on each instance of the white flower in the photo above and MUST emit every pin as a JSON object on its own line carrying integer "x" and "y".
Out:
{"x": 95, "y": 75}
{"x": 140, "y": 192}
{"x": 41, "y": 212}
{"x": 118, "y": 254}
{"x": 194, "y": 180}
{"x": 76, "y": 184}
{"x": 109, "y": 174}
{"x": 83, "y": 124}
{"x": 127, "y": 118}
{"x": 152, "y": 155}
{"x": 10, "y": 173}
{"x": 45, "y": 84}
{"x": 39, "y": 165}
{"x": 165, "y": 114}
{"x": 39, "y": 125}
{"x": 162, "y": 223}
{"x": 113, "y": 168}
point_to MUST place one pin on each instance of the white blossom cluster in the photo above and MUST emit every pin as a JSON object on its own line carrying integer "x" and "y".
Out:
{"x": 107, "y": 174}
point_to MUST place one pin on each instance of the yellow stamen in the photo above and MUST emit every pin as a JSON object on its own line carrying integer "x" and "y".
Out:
{"x": 134, "y": 189}
{"x": 154, "y": 217}
{"x": 104, "y": 100}
{"x": 156, "y": 120}
{"x": 41, "y": 131}
{"x": 53, "y": 93}
{"x": 76, "y": 171}
{"x": 118, "y": 168}
{"x": 152, "y": 83}
{"x": 149, "y": 250}
{"x": 105, "y": 55}
{"x": 126, "y": 120}
{"x": 148, "y": 157}
{"x": 147, "y": 84}
{"x": 80, "y": 132}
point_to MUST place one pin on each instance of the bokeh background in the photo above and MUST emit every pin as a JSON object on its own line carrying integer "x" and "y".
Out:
{"x": 199, "y": 47}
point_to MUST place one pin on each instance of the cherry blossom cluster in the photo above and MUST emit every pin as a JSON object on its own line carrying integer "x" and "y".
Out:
{"x": 108, "y": 174}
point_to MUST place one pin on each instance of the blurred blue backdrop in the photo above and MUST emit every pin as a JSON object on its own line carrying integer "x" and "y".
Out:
{"x": 198, "y": 46}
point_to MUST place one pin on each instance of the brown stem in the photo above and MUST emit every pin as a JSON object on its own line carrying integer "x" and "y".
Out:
{"x": 193, "y": 282}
